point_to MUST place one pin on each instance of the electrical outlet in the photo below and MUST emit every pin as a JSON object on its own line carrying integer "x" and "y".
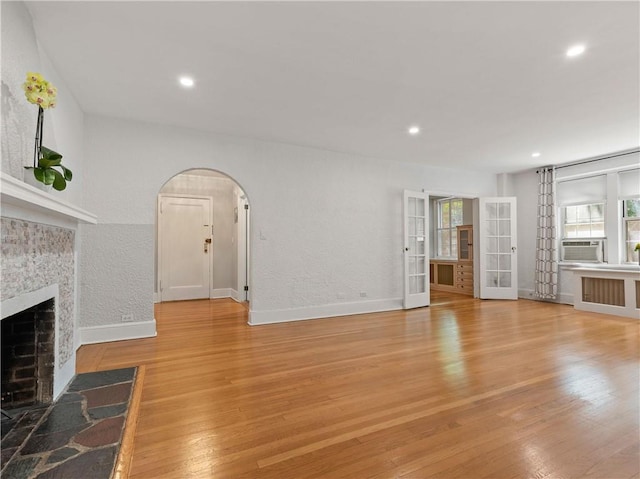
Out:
{"x": 341, "y": 296}
{"x": 127, "y": 318}
{"x": 363, "y": 294}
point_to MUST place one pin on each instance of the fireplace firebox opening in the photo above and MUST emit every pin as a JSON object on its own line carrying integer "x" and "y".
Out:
{"x": 28, "y": 356}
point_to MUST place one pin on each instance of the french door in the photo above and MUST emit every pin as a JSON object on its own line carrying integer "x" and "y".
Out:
{"x": 416, "y": 249}
{"x": 498, "y": 256}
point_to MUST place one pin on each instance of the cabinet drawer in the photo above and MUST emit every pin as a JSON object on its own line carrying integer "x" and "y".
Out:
{"x": 464, "y": 267}
{"x": 465, "y": 275}
{"x": 465, "y": 288}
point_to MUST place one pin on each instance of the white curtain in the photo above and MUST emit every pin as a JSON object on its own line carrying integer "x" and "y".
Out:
{"x": 546, "y": 280}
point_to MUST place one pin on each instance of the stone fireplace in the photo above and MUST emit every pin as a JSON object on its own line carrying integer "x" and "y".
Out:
{"x": 37, "y": 292}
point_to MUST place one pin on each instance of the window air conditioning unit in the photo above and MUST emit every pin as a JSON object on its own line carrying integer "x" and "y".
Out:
{"x": 583, "y": 251}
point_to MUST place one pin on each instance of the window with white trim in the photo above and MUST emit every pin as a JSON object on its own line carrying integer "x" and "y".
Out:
{"x": 449, "y": 216}
{"x": 583, "y": 205}
{"x": 629, "y": 195}
{"x": 603, "y": 204}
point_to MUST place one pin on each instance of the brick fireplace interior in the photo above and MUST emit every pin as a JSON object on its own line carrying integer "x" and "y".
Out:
{"x": 28, "y": 350}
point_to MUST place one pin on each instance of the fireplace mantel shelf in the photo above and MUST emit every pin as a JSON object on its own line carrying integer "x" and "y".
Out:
{"x": 16, "y": 192}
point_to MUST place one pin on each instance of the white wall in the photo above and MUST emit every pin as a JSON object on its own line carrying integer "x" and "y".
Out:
{"x": 63, "y": 125}
{"x": 323, "y": 223}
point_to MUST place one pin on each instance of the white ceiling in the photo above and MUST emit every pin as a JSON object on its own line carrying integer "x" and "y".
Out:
{"x": 488, "y": 82}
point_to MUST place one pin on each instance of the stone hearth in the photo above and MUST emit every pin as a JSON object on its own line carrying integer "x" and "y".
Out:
{"x": 77, "y": 436}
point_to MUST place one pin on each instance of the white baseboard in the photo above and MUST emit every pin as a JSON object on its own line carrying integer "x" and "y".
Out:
{"x": 222, "y": 293}
{"x": 117, "y": 332}
{"x": 563, "y": 298}
{"x": 324, "y": 311}
{"x": 63, "y": 375}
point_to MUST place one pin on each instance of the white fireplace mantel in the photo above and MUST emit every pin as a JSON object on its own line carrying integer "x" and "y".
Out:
{"x": 16, "y": 193}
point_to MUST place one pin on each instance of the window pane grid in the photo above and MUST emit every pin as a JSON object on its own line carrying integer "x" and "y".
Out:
{"x": 584, "y": 221}
{"x": 450, "y": 215}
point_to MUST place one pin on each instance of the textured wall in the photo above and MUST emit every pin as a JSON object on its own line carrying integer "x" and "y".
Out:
{"x": 63, "y": 125}
{"x": 116, "y": 273}
{"x": 323, "y": 223}
{"x": 35, "y": 256}
{"x": 19, "y": 55}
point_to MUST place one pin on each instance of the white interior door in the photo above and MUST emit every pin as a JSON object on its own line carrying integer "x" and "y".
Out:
{"x": 498, "y": 257}
{"x": 416, "y": 249}
{"x": 185, "y": 254}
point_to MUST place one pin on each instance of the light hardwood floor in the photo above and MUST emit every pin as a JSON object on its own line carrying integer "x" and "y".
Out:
{"x": 462, "y": 389}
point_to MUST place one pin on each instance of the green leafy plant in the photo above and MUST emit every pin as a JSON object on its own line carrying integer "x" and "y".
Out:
{"x": 47, "y": 164}
{"x": 46, "y": 172}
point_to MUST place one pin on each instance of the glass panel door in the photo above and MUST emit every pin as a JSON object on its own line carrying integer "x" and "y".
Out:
{"x": 498, "y": 248}
{"x": 416, "y": 249}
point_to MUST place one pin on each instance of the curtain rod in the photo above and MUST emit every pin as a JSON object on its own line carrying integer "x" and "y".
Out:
{"x": 589, "y": 161}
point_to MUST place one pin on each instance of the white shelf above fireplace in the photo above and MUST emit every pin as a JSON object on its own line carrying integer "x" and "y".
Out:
{"x": 17, "y": 193}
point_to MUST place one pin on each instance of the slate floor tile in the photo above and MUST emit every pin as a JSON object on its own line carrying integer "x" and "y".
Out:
{"x": 52, "y": 441}
{"x": 103, "y": 433}
{"x": 16, "y": 437}
{"x": 62, "y": 416}
{"x": 107, "y": 395}
{"x": 107, "y": 411}
{"x": 62, "y": 454}
{"x": 95, "y": 464}
{"x": 102, "y": 378}
{"x": 21, "y": 469}
{"x": 48, "y": 442}
{"x": 6, "y": 454}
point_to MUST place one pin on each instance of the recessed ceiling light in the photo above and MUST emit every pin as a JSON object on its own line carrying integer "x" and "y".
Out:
{"x": 576, "y": 50}
{"x": 186, "y": 82}
{"x": 535, "y": 154}
{"x": 414, "y": 130}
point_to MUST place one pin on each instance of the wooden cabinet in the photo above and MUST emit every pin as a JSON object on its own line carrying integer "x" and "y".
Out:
{"x": 465, "y": 243}
{"x": 464, "y": 277}
{"x": 455, "y": 276}
{"x": 443, "y": 275}
{"x": 464, "y": 268}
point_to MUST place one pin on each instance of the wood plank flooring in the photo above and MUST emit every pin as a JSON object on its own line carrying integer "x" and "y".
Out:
{"x": 462, "y": 389}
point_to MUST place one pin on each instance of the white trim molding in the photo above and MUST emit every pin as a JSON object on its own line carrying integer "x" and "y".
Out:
{"x": 223, "y": 293}
{"x": 20, "y": 194}
{"x": 563, "y": 298}
{"x": 117, "y": 332}
{"x": 62, "y": 373}
{"x": 63, "y": 376}
{"x": 324, "y": 311}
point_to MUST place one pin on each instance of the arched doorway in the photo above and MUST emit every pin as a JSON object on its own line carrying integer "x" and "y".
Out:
{"x": 202, "y": 221}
